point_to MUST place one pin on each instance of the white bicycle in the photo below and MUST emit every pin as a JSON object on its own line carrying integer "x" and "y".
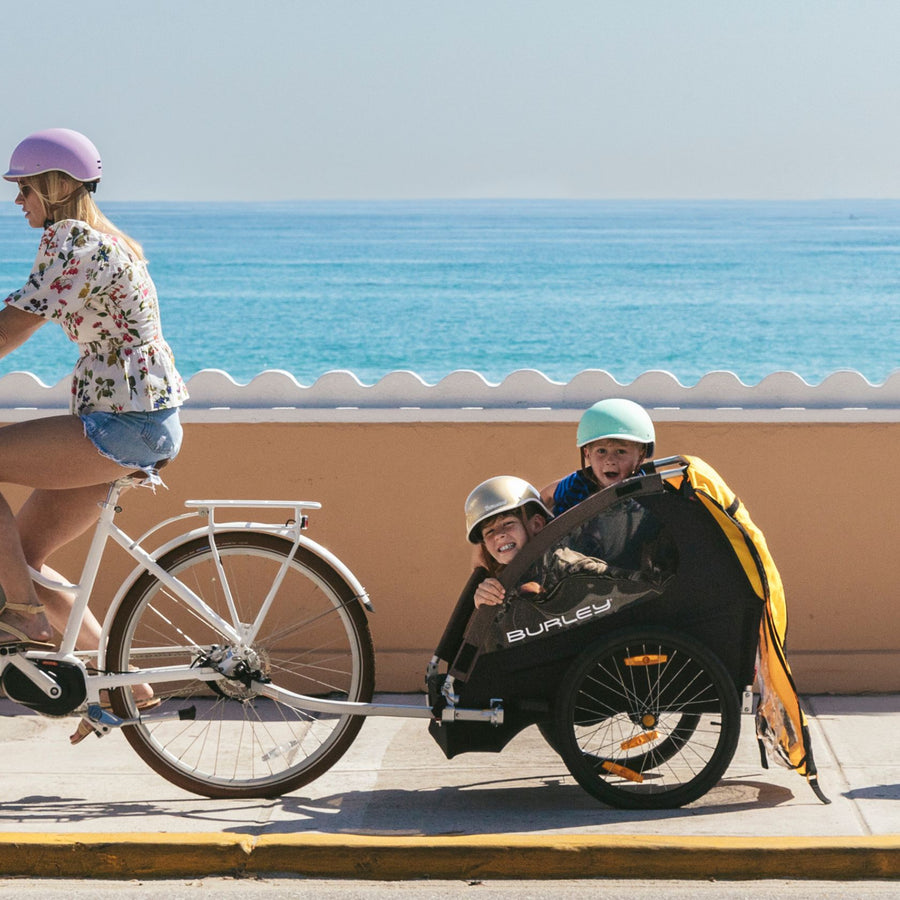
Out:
{"x": 254, "y": 640}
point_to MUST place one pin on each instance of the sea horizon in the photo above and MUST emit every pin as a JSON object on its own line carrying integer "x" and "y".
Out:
{"x": 495, "y": 286}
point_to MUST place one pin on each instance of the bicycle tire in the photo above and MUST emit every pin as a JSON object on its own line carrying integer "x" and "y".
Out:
{"x": 647, "y": 719}
{"x": 315, "y": 641}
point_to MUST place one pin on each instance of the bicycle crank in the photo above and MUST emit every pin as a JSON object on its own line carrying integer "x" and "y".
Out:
{"x": 103, "y": 721}
{"x": 66, "y": 689}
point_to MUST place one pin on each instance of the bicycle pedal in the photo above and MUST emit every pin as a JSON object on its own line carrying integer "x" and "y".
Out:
{"x": 97, "y": 715}
{"x": 87, "y": 727}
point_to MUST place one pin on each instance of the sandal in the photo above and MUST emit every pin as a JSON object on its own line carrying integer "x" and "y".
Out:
{"x": 22, "y": 640}
{"x": 85, "y": 728}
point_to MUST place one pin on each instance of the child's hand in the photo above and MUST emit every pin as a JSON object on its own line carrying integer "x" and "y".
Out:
{"x": 489, "y": 593}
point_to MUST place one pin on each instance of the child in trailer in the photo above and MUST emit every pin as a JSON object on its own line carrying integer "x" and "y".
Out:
{"x": 502, "y": 535}
{"x": 614, "y": 438}
{"x": 502, "y": 515}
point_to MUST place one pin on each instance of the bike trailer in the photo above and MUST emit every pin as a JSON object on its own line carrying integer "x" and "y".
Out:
{"x": 673, "y": 549}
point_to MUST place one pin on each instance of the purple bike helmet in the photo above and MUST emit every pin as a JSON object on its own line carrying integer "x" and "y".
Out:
{"x": 56, "y": 150}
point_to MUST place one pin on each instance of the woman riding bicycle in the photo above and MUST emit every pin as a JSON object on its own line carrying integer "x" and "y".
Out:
{"x": 91, "y": 279}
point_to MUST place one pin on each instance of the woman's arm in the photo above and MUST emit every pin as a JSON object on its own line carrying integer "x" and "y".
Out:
{"x": 16, "y": 326}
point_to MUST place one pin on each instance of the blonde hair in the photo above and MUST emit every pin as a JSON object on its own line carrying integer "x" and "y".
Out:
{"x": 64, "y": 197}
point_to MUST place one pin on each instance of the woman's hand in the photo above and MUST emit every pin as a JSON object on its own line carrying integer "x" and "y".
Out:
{"x": 489, "y": 593}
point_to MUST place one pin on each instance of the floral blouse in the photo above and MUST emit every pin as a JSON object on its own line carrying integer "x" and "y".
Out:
{"x": 105, "y": 301}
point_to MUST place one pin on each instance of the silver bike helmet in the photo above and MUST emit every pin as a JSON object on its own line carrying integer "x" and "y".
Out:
{"x": 496, "y": 495}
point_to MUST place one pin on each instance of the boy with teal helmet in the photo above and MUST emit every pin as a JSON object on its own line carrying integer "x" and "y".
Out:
{"x": 614, "y": 436}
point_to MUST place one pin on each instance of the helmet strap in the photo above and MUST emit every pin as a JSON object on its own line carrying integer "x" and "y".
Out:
{"x": 89, "y": 188}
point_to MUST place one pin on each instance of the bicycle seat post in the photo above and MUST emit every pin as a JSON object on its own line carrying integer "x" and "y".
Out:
{"x": 115, "y": 491}
{"x": 85, "y": 586}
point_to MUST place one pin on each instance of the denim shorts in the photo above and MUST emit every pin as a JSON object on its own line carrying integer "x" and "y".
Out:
{"x": 138, "y": 440}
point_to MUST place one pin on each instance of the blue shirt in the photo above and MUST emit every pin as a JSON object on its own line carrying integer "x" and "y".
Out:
{"x": 571, "y": 490}
{"x": 574, "y": 488}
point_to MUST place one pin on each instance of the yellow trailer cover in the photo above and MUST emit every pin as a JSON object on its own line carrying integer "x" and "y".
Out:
{"x": 781, "y": 725}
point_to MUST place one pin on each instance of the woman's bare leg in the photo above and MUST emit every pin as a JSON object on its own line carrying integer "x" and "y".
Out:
{"x": 49, "y": 520}
{"x": 70, "y": 483}
{"x": 54, "y": 456}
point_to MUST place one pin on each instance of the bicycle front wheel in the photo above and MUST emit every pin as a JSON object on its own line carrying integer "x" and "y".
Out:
{"x": 313, "y": 640}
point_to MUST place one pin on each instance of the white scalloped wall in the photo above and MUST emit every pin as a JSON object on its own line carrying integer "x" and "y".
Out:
{"x": 527, "y": 394}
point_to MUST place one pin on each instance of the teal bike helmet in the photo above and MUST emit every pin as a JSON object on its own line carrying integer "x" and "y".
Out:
{"x": 624, "y": 420}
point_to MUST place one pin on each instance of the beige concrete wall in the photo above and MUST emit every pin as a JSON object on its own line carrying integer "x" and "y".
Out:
{"x": 824, "y": 494}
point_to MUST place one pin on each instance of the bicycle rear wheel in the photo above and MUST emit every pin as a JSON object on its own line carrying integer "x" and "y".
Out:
{"x": 647, "y": 719}
{"x": 314, "y": 641}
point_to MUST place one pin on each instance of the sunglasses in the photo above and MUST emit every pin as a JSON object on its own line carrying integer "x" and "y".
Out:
{"x": 24, "y": 189}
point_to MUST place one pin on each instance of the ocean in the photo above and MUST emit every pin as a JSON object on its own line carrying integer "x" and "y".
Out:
{"x": 496, "y": 286}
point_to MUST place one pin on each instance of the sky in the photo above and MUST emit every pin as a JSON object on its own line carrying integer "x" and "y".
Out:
{"x": 410, "y": 99}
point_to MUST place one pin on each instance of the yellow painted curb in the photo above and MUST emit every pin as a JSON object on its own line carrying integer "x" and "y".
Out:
{"x": 122, "y": 856}
{"x": 577, "y": 856}
{"x": 476, "y": 856}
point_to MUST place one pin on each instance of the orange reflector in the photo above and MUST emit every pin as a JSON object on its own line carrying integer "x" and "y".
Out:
{"x": 639, "y": 739}
{"x": 622, "y": 772}
{"x": 649, "y": 659}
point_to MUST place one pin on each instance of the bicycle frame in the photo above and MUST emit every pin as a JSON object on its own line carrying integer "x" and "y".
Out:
{"x": 234, "y": 631}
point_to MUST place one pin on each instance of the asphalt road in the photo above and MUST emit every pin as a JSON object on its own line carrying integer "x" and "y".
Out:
{"x": 279, "y": 888}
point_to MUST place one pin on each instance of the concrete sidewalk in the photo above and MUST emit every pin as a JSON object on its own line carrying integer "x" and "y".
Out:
{"x": 394, "y": 807}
